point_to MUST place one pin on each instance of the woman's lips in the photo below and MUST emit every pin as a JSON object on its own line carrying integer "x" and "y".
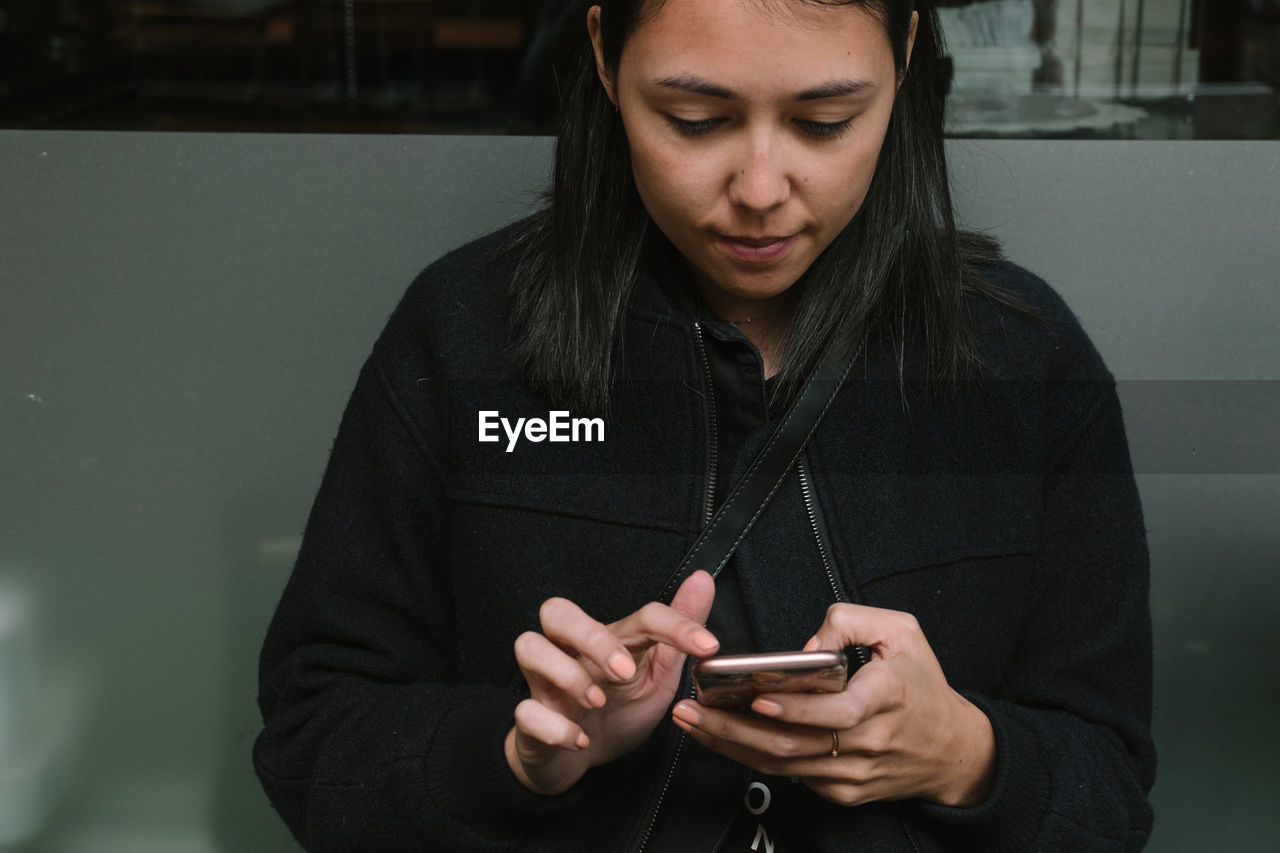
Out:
{"x": 756, "y": 250}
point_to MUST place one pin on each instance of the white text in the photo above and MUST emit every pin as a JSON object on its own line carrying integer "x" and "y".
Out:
{"x": 558, "y": 427}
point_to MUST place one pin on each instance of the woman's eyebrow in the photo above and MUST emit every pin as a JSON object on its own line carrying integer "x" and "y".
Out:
{"x": 696, "y": 85}
{"x": 836, "y": 89}
{"x": 831, "y": 89}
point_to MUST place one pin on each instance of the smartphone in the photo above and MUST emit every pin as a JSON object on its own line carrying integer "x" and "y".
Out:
{"x": 733, "y": 681}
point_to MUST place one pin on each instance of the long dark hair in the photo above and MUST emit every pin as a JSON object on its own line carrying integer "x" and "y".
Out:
{"x": 898, "y": 273}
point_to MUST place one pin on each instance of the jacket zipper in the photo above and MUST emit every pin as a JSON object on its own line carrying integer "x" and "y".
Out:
{"x": 709, "y": 503}
{"x": 708, "y": 509}
{"x": 806, "y": 492}
{"x": 802, "y": 470}
{"x": 911, "y": 836}
{"x": 862, "y": 652}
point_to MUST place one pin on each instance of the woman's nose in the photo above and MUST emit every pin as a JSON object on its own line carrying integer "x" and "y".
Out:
{"x": 760, "y": 181}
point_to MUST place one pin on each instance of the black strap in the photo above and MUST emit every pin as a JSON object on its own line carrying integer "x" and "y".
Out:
{"x": 727, "y": 528}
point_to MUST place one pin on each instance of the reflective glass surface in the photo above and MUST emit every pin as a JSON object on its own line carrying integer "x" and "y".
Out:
{"x": 1126, "y": 69}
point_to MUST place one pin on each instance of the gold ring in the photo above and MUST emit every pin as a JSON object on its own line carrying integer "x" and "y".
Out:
{"x": 835, "y": 744}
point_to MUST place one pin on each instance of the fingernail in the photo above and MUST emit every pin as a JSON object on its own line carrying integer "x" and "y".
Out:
{"x": 621, "y": 665}
{"x": 686, "y": 713}
{"x": 583, "y": 741}
{"x": 706, "y": 641}
{"x": 595, "y": 696}
{"x": 812, "y": 645}
{"x": 767, "y": 707}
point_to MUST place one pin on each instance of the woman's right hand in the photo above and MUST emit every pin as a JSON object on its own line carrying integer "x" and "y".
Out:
{"x": 598, "y": 691}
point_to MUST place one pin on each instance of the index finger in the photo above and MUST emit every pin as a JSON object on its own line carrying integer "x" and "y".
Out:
{"x": 568, "y": 626}
{"x": 660, "y": 623}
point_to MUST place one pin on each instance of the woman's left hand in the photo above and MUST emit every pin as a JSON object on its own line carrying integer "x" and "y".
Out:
{"x": 897, "y": 730}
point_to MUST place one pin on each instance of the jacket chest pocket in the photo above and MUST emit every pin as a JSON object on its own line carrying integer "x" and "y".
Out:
{"x": 960, "y": 552}
{"x": 513, "y": 543}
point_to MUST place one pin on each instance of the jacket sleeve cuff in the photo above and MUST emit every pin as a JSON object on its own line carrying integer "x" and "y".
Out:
{"x": 1008, "y": 821}
{"x": 468, "y": 777}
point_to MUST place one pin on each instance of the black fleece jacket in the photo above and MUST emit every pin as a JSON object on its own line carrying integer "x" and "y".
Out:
{"x": 1005, "y": 518}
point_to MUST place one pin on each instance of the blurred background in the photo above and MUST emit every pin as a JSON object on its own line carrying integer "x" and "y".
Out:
{"x": 1145, "y": 69}
{"x": 208, "y": 209}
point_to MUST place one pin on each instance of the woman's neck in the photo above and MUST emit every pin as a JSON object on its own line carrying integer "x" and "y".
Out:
{"x": 763, "y": 321}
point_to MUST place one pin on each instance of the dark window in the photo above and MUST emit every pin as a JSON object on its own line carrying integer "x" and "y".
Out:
{"x": 1040, "y": 68}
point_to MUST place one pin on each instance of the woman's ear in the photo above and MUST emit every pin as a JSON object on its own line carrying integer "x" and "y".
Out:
{"x": 597, "y": 46}
{"x": 911, "y": 36}
{"x": 911, "y": 43}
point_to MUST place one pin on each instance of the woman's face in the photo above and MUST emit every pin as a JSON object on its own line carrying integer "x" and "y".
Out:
{"x": 754, "y": 130}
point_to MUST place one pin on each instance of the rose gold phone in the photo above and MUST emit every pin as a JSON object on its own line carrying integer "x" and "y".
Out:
{"x": 732, "y": 681}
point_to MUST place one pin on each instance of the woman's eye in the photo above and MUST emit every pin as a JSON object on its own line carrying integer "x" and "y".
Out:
{"x": 824, "y": 129}
{"x": 693, "y": 127}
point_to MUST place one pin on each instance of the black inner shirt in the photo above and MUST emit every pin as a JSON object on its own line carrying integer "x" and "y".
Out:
{"x": 740, "y": 396}
{"x": 739, "y": 406}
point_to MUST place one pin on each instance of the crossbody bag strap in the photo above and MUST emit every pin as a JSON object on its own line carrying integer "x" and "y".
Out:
{"x": 719, "y": 539}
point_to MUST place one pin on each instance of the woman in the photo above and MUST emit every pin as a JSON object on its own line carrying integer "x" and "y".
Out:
{"x": 740, "y": 188}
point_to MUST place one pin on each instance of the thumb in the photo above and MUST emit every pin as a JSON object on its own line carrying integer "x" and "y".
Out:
{"x": 885, "y": 631}
{"x": 693, "y": 601}
{"x": 695, "y": 596}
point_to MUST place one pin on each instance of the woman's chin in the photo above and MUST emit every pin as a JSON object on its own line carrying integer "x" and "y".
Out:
{"x": 756, "y": 289}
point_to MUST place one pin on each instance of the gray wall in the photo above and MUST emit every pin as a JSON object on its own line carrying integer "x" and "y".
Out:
{"x": 182, "y": 317}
